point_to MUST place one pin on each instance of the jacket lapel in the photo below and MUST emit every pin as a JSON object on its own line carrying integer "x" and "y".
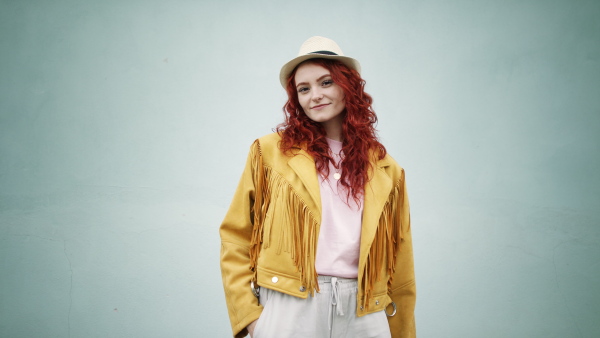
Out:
{"x": 377, "y": 191}
{"x": 304, "y": 166}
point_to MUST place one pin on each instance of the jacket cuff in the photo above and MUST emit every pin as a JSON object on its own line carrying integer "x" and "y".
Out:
{"x": 239, "y": 330}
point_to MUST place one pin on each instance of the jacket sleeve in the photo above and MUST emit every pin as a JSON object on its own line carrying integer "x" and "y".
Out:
{"x": 403, "y": 289}
{"x": 236, "y": 235}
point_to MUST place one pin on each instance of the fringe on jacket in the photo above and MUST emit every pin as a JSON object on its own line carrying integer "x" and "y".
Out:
{"x": 300, "y": 237}
{"x": 386, "y": 244}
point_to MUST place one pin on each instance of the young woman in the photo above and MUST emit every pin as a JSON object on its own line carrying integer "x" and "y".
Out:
{"x": 317, "y": 240}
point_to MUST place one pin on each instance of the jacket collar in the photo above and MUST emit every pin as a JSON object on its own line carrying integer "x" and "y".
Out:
{"x": 377, "y": 192}
{"x": 304, "y": 166}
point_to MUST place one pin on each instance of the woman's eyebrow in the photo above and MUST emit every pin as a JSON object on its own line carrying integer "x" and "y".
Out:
{"x": 319, "y": 79}
{"x": 322, "y": 77}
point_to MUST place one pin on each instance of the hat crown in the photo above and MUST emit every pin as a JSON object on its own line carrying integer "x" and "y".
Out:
{"x": 317, "y": 47}
{"x": 320, "y": 44}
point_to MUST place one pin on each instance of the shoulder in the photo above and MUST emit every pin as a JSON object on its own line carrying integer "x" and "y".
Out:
{"x": 269, "y": 140}
{"x": 266, "y": 142}
{"x": 391, "y": 167}
{"x": 267, "y": 147}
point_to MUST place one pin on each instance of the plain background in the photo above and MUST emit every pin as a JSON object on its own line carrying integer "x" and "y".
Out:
{"x": 124, "y": 127}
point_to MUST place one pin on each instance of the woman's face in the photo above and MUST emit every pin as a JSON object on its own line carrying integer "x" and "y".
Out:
{"x": 321, "y": 99}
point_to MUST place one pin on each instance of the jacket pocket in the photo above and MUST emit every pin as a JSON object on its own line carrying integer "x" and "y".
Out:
{"x": 264, "y": 301}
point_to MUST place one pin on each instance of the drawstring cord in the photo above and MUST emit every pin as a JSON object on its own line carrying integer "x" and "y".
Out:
{"x": 335, "y": 300}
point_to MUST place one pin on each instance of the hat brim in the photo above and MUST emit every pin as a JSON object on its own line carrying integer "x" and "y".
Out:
{"x": 288, "y": 68}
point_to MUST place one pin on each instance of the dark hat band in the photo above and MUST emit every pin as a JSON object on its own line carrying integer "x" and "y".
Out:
{"x": 323, "y": 52}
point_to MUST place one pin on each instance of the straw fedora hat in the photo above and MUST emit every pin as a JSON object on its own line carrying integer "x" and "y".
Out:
{"x": 317, "y": 47}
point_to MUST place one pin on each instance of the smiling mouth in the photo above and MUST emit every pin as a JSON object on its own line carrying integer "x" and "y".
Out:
{"x": 320, "y": 106}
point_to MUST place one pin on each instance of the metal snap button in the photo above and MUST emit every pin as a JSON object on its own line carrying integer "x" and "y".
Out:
{"x": 376, "y": 302}
{"x": 274, "y": 279}
{"x": 302, "y": 289}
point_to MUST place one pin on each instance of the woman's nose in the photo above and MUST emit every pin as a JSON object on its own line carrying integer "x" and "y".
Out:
{"x": 317, "y": 95}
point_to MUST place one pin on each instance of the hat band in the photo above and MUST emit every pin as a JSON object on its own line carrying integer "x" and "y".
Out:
{"x": 324, "y": 52}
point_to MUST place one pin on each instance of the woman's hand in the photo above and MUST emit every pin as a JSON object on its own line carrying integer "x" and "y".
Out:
{"x": 251, "y": 328}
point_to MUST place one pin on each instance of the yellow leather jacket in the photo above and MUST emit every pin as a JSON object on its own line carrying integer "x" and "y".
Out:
{"x": 269, "y": 237}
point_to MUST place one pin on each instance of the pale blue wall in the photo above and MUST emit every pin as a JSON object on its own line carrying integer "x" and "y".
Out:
{"x": 124, "y": 126}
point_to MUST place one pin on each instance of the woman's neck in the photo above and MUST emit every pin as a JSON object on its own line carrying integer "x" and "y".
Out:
{"x": 333, "y": 128}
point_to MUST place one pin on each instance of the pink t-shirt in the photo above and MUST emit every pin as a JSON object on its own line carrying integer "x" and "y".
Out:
{"x": 339, "y": 238}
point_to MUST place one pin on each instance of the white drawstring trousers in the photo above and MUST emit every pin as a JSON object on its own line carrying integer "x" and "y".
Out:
{"x": 331, "y": 313}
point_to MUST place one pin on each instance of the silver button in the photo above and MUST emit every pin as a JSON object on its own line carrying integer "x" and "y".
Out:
{"x": 274, "y": 279}
{"x": 361, "y": 308}
{"x": 302, "y": 289}
{"x": 376, "y": 302}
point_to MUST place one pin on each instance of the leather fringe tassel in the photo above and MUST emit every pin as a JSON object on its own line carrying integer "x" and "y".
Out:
{"x": 385, "y": 246}
{"x": 299, "y": 238}
{"x": 257, "y": 214}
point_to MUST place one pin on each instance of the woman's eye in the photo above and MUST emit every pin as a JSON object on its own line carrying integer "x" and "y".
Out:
{"x": 327, "y": 82}
{"x": 302, "y": 90}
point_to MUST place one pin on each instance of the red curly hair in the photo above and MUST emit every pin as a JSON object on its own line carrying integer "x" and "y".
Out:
{"x": 359, "y": 136}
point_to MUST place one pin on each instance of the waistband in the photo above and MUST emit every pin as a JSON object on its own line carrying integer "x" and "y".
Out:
{"x": 341, "y": 283}
{"x": 327, "y": 279}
